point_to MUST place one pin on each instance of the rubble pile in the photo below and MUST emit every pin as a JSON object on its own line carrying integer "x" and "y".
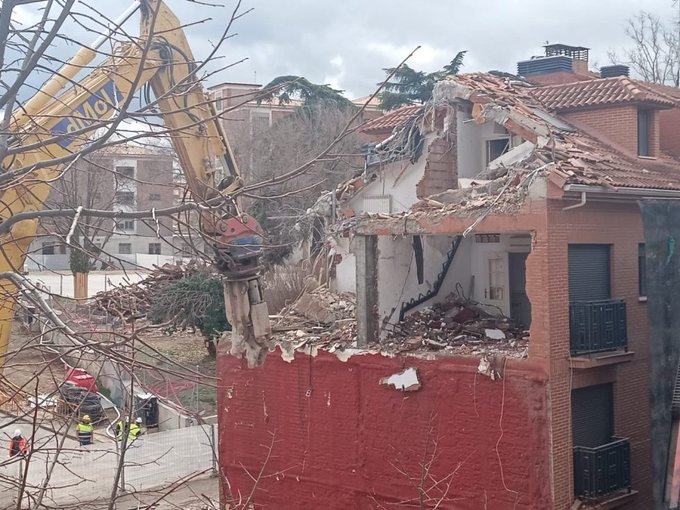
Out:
{"x": 455, "y": 327}
{"x": 318, "y": 316}
{"x": 458, "y": 327}
{"x": 132, "y": 301}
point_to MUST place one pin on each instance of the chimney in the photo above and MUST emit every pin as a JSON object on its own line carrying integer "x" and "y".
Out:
{"x": 560, "y": 60}
{"x": 613, "y": 71}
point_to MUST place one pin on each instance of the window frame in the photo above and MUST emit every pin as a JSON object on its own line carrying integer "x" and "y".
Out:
{"x": 124, "y": 197}
{"x": 156, "y": 250}
{"x": 644, "y": 146}
{"x": 122, "y": 171}
{"x": 128, "y": 247}
{"x": 126, "y": 226}
{"x": 487, "y": 148}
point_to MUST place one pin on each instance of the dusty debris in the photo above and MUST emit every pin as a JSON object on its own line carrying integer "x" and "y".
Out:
{"x": 310, "y": 306}
{"x": 406, "y": 380}
{"x": 453, "y": 327}
{"x": 486, "y": 368}
{"x": 460, "y": 327}
{"x": 320, "y": 317}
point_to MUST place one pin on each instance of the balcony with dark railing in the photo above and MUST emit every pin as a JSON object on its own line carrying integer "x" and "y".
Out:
{"x": 597, "y": 326}
{"x": 602, "y": 471}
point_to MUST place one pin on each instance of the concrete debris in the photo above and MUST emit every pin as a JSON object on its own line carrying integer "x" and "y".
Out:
{"x": 486, "y": 368}
{"x": 494, "y": 334}
{"x": 319, "y": 317}
{"x": 452, "y": 327}
{"x": 310, "y": 306}
{"x": 406, "y": 380}
{"x": 458, "y": 327}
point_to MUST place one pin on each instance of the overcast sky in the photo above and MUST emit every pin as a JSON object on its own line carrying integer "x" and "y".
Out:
{"x": 347, "y": 43}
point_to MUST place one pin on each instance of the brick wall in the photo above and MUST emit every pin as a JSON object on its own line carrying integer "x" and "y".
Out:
{"x": 669, "y": 127}
{"x": 558, "y": 78}
{"x": 618, "y": 225}
{"x": 617, "y": 125}
{"x": 354, "y": 443}
{"x": 441, "y": 172}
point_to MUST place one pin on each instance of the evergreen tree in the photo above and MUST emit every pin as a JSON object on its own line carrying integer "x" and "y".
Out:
{"x": 409, "y": 86}
{"x": 286, "y": 89}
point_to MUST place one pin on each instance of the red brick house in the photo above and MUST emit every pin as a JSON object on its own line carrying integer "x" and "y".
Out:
{"x": 525, "y": 204}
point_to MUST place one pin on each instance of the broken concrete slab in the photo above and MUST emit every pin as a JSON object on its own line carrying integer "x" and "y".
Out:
{"x": 406, "y": 380}
{"x": 494, "y": 334}
{"x": 310, "y": 306}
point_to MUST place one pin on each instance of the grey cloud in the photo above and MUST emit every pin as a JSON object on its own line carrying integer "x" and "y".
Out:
{"x": 310, "y": 38}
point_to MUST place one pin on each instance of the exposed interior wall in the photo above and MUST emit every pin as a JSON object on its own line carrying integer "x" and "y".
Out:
{"x": 470, "y": 269}
{"x": 326, "y": 434}
{"x": 472, "y": 138}
{"x": 345, "y": 270}
{"x": 397, "y": 179}
{"x": 441, "y": 164}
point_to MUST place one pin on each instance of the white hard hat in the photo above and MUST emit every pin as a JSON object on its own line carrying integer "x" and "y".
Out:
{"x": 17, "y": 432}
{"x": 138, "y": 420}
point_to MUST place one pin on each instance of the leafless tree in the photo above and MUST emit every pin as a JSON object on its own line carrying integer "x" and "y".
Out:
{"x": 110, "y": 346}
{"x": 33, "y": 37}
{"x": 653, "y": 53}
{"x": 287, "y": 144}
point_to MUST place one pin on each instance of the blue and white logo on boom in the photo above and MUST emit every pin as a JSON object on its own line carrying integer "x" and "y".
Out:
{"x": 95, "y": 108}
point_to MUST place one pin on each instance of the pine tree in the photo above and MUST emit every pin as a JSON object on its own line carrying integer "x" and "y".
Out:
{"x": 409, "y": 86}
{"x": 286, "y": 89}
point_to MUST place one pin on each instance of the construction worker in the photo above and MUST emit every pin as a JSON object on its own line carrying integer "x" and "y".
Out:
{"x": 135, "y": 430}
{"x": 122, "y": 428}
{"x": 18, "y": 445}
{"x": 85, "y": 431}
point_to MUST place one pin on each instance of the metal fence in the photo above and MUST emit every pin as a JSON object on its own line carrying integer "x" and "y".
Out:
{"x": 80, "y": 474}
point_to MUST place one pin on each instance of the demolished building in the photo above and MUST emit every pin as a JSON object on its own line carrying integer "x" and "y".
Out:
{"x": 501, "y": 350}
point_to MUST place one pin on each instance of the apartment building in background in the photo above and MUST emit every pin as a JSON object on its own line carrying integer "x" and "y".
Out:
{"x": 118, "y": 178}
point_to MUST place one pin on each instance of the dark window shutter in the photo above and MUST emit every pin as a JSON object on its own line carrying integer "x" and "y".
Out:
{"x": 592, "y": 415}
{"x": 589, "y": 275}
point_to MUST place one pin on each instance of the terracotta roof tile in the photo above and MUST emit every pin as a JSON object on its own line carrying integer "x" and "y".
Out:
{"x": 578, "y": 155}
{"x": 392, "y": 120}
{"x": 605, "y": 91}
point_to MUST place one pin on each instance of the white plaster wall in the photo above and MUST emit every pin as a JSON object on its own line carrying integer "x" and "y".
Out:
{"x": 398, "y": 275}
{"x": 472, "y": 139}
{"x": 469, "y": 146}
{"x": 480, "y": 268}
{"x": 345, "y": 271}
{"x": 397, "y": 179}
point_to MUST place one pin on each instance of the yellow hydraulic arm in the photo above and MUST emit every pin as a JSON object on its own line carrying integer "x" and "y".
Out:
{"x": 51, "y": 127}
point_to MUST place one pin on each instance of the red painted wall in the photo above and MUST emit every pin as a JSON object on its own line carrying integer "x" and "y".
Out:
{"x": 356, "y": 444}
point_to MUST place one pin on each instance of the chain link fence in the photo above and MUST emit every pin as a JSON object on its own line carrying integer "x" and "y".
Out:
{"x": 59, "y": 472}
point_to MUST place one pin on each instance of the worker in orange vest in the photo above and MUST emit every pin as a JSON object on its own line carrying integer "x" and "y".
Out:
{"x": 18, "y": 445}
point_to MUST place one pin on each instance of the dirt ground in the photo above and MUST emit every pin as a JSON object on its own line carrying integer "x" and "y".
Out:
{"x": 188, "y": 351}
{"x": 29, "y": 363}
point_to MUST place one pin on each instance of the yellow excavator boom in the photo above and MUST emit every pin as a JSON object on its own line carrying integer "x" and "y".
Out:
{"x": 52, "y": 127}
